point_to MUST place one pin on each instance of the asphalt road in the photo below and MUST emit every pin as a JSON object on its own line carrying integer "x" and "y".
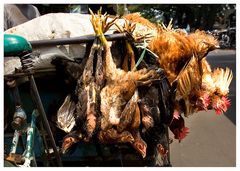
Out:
{"x": 212, "y": 139}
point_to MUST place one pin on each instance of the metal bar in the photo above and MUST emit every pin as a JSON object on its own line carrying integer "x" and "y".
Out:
{"x": 42, "y": 139}
{"x": 17, "y": 75}
{"x": 76, "y": 40}
{"x": 30, "y": 136}
{"x": 41, "y": 111}
{"x": 14, "y": 142}
{"x": 28, "y": 73}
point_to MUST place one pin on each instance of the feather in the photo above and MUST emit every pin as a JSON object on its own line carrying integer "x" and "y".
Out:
{"x": 222, "y": 79}
{"x": 189, "y": 80}
{"x": 202, "y": 42}
{"x": 65, "y": 115}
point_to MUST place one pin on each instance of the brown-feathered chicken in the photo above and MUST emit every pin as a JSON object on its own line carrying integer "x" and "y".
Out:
{"x": 87, "y": 91}
{"x": 182, "y": 57}
{"x": 189, "y": 84}
{"x": 154, "y": 131}
{"x": 175, "y": 49}
{"x": 130, "y": 120}
{"x": 202, "y": 42}
{"x": 120, "y": 85}
{"x": 70, "y": 71}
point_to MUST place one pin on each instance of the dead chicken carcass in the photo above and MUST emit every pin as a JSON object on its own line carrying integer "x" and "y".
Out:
{"x": 89, "y": 86}
{"x": 154, "y": 131}
{"x": 70, "y": 71}
{"x": 118, "y": 92}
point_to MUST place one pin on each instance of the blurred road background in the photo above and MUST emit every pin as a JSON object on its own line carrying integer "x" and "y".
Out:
{"x": 212, "y": 139}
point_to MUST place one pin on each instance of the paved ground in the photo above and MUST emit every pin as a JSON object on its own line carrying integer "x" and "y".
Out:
{"x": 212, "y": 138}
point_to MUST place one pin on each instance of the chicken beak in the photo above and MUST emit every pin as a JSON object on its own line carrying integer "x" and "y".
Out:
{"x": 143, "y": 155}
{"x": 63, "y": 151}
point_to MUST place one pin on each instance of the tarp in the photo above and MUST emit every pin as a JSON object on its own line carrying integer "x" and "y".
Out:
{"x": 52, "y": 26}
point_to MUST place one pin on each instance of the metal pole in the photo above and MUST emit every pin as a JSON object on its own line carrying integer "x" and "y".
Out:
{"x": 76, "y": 40}
{"x": 44, "y": 117}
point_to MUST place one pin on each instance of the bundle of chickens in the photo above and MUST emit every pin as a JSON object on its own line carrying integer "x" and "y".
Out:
{"x": 132, "y": 90}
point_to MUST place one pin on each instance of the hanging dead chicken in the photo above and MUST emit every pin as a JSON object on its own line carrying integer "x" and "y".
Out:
{"x": 154, "y": 131}
{"x": 182, "y": 57}
{"x": 70, "y": 71}
{"x": 175, "y": 49}
{"x": 87, "y": 107}
{"x": 118, "y": 92}
{"x": 87, "y": 91}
